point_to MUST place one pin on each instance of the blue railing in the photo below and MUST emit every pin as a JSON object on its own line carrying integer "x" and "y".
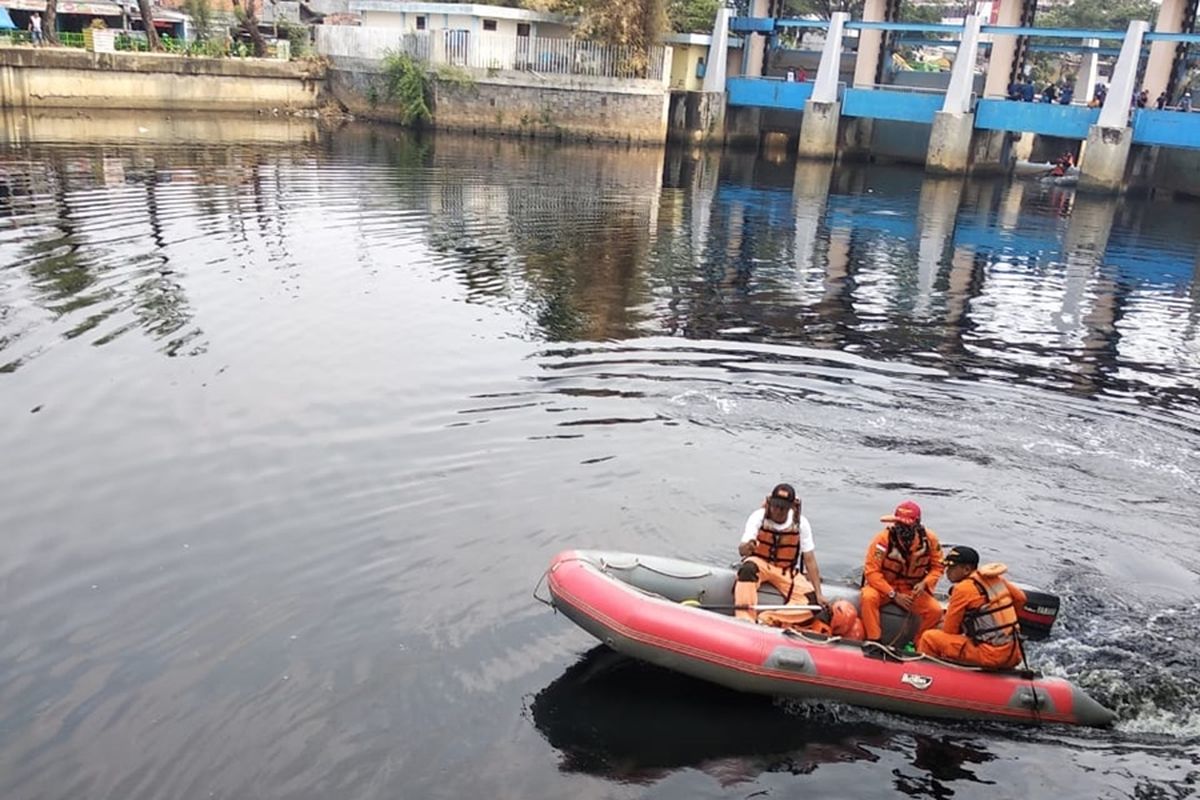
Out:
{"x": 900, "y": 106}
{"x": 1166, "y": 128}
{"x": 1048, "y": 119}
{"x": 768, "y": 93}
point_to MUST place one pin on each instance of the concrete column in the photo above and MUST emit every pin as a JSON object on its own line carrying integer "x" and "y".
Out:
{"x": 1107, "y": 149}
{"x": 1115, "y": 113}
{"x": 1004, "y": 51}
{"x": 819, "y": 130}
{"x": 1162, "y": 54}
{"x": 950, "y": 143}
{"x": 962, "y": 75}
{"x": 718, "y": 50}
{"x": 953, "y": 126}
{"x": 755, "y": 43}
{"x": 1085, "y": 80}
{"x": 822, "y": 111}
{"x": 825, "y": 85}
{"x": 867, "y": 62}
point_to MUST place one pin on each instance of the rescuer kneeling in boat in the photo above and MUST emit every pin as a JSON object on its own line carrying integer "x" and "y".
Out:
{"x": 981, "y": 625}
{"x": 777, "y": 545}
{"x": 902, "y": 566}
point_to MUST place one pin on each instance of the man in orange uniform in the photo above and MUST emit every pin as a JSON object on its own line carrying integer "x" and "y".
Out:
{"x": 902, "y": 566}
{"x": 981, "y": 625}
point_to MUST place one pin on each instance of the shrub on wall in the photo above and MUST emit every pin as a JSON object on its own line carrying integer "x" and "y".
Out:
{"x": 408, "y": 84}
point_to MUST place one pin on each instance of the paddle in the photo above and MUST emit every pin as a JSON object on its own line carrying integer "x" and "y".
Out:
{"x": 761, "y": 607}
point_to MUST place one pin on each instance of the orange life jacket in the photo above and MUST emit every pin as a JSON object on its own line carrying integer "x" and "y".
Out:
{"x": 995, "y": 622}
{"x": 910, "y": 569}
{"x": 780, "y": 547}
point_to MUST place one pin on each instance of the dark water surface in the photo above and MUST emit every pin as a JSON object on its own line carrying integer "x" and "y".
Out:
{"x": 293, "y": 421}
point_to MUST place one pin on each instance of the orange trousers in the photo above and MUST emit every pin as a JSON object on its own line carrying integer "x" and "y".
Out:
{"x": 745, "y": 593}
{"x": 957, "y": 647}
{"x": 927, "y": 609}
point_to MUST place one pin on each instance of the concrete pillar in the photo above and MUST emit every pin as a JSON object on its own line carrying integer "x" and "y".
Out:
{"x": 866, "y": 65}
{"x": 822, "y": 111}
{"x": 1085, "y": 79}
{"x": 1162, "y": 54}
{"x": 953, "y": 126}
{"x": 1107, "y": 149}
{"x": 1115, "y": 113}
{"x": 755, "y": 43}
{"x": 825, "y": 85}
{"x": 950, "y": 143}
{"x": 718, "y": 52}
{"x": 819, "y": 130}
{"x": 1004, "y": 51}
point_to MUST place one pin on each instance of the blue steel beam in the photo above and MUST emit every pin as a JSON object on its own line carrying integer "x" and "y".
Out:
{"x": 802, "y": 23}
{"x": 1190, "y": 38}
{"x": 919, "y": 27}
{"x": 1057, "y": 33}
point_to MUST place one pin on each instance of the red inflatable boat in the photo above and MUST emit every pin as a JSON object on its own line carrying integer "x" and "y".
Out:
{"x": 632, "y": 603}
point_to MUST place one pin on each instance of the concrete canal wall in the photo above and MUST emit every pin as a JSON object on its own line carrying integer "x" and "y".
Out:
{"x": 578, "y": 108}
{"x": 76, "y": 79}
{"x": 520, "y": 86}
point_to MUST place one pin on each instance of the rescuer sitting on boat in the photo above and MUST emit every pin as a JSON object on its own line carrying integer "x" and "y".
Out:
{"x": 981, "y": 626}
{"x": 902, "y": 566}
{"x": 777, "y": 548}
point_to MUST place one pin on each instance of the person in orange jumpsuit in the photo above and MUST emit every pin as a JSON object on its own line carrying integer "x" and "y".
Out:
{"x": 902, "y": 566}
{"x": 981, "y": 625}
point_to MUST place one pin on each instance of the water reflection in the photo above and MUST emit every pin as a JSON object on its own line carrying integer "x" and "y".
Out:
{"x": 613, "y": 717}
{"x": 1084, "y": 294}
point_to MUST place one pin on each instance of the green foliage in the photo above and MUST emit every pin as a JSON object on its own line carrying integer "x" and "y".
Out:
{"x": 298, "y": 38}
{"x": 454, "y": 75}
{"x": 202, "y": 17}
{"x": 634, "y": 23}
{"x": 1108, "y": 15}
{"x": 823, "y": 8}
{"x": 693, "y": 16}
{"x": 408, "y": 84}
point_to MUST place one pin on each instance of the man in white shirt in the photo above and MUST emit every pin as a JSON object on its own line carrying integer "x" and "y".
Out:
{"x": 777, "y": 545}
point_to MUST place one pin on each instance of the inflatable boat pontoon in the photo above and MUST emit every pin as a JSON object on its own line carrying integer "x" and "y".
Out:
{"x": 633, "y": 603}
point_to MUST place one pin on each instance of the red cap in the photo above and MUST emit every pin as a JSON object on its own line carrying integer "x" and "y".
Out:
{"x": 907, "y": 513}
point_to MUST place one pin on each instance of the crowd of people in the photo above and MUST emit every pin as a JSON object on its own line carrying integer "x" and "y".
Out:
{"x": 903, "y": 564}
{"x": 1063, "y": 93}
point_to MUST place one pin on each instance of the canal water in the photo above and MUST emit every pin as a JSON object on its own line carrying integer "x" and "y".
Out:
{"x": 293, "y": 421}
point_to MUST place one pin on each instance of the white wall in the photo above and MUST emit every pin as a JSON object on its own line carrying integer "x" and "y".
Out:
{"x": 459, "y": 22}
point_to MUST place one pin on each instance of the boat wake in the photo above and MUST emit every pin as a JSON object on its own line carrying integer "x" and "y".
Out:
{"x": 1141, "y": 662}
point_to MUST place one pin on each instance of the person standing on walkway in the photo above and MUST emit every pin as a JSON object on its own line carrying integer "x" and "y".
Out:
{"x": 902, "y": 566}
{"x": 35, "y": 28}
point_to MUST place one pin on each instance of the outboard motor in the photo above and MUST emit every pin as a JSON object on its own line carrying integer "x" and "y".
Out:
{"x": 1038, "y": 615}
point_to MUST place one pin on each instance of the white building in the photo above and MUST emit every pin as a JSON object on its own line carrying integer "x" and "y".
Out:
{"x": 465, "y": 18}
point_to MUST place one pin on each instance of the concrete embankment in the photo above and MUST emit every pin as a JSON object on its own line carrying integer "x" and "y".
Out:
{"x": 76, "y": 79}
{"x": 578, "y": 108}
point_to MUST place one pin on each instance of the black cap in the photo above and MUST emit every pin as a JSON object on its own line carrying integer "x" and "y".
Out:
{"x": 783, "y": 495}
{"x": 961, "y": 555}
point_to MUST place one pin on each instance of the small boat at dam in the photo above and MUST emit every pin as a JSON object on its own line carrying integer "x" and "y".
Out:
{"x": 646, "y": 607}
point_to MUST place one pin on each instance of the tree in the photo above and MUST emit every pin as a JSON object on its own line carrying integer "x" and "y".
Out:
{"x": 248, "y": 16}
{"x": 693, "y": 16}
{"x": 148, "y": 23}
{"x": 633, "y": 23}
{"x": 823, "y": 8}
{"x": 50, "y": 23}
{"x": 1105, "y": 15}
